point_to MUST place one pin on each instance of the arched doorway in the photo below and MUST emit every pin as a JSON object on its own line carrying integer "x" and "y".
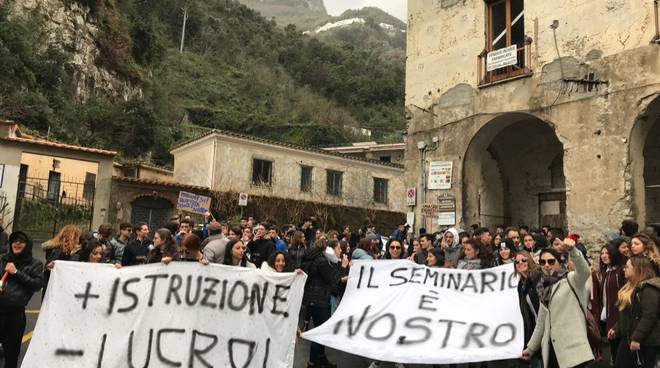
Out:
{"x": 155, "y": 211}
{"x": 513, "y": 174}
{"x": 645, "y": 164}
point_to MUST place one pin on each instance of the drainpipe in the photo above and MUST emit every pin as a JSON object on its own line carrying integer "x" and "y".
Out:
{"x": 656, "y": 3}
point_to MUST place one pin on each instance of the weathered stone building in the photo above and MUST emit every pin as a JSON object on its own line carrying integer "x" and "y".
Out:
{"x": 566, "y": 133}
{"x": 269, "y": 171}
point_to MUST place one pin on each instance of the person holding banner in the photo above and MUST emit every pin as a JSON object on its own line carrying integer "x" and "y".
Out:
{"x": 561, "y": 327}
{"x": 22, "y": 276}
{"x": 322, "y": 279}
{"x": 435, "y": 258}
{"x": 235, "y": 255}
{"x": 473, "y": 257}
{"x": 165, "y": 249}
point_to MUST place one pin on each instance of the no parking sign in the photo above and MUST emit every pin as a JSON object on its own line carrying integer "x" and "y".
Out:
{"x": 411, "y": 195}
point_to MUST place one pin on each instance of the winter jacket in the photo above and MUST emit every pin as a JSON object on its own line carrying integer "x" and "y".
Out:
{"x": 297, "y": 256}
{"x": 260, "y": 250}
{"x": 54, "y": 252}
{"x": 28, "y": 279}
{"x": 136, "y": 252}
{"x": 214, "y": 250}
{"x": 608, "y": 285}
{"x": 452, "y": 251}
{"x": 360, "y": 253}
{"x": 118, "y": 247}
{"x": 322, "y": 279}
{"x": 528, "y": 299}
{"x": 641, "y": 320}
{"x": 562, "y": 322}
{"x": 211, "y": 238}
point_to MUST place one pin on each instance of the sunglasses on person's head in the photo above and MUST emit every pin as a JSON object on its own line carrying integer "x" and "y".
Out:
{"x": 524, "y": 260}
{"x": 550, "y": 262}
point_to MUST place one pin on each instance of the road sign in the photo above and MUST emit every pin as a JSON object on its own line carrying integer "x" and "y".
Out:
{"x": 242, "y": 199}
{"x": 411, "y": 196}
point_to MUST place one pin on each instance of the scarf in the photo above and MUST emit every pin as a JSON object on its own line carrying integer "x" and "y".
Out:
{"x": 545, "y": 285}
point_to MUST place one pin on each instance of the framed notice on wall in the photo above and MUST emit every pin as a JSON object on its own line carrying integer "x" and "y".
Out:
{"x": 440, "y": 175}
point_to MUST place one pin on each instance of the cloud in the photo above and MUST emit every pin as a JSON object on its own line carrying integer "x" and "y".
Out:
{"x": 397, "y": 8}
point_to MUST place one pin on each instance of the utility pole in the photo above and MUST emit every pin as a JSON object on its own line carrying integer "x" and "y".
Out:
{"x": 183, "y": 28}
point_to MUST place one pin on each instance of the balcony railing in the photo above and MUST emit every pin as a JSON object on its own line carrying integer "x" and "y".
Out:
{"x": 521, "y": 68}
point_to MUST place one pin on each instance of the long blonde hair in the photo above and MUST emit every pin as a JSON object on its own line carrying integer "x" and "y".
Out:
{"x": 67, "y": 239}
{"x": 642, "y": 270}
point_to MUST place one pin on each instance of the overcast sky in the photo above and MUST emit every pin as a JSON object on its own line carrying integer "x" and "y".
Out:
{"x": 394, "y": 7}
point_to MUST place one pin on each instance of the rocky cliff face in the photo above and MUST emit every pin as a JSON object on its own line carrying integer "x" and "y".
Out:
{"x": 71, "y": 25}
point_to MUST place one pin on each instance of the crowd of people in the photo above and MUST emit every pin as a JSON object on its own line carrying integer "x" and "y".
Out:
{"x": 573, "y": 313}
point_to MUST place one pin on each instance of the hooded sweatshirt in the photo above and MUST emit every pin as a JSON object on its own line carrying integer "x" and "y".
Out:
{"x": 28, "y": 279}
{"x": 452, "y": 251}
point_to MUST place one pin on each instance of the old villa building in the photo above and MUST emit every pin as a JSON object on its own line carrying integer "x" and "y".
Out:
{"x": 229, "y": 162}
{"x": 548, "y": 110}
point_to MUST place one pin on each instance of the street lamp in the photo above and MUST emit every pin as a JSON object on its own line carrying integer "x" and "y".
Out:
{"x": 423, "y": 147}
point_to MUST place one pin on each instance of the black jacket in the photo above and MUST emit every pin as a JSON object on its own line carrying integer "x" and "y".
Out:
{"x": 297, "y": 256}
{"x": 322, "y": 279}
{"x": 136, "y": 252}
{"x": 260, "y": 250}
{"x": 641, "y": 320}
{"x": 528, "y": 298}
{"x": 28, "y": 279}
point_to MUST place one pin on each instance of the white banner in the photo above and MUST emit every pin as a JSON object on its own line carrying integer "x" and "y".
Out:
{"x": 502, "y": 58}
{"x": 402, "y": 312}
{"x": 181, "y": 315}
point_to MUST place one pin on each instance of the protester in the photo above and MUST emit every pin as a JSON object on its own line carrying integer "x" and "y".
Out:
{"x": 322, "y": 278}
{"x": 137, "y": 250}
{"x": 119, "y": 242}
{"x": 394, "y": 249}
{"x": 608, "y": 280}
{"x": 527, "y": 294}
{"x": 561, "y": 329}
{"x": 277, "y": 262}
{"x": 185, "y": 227}
{"x": 191, "y": 249}
{"x": 64, "y": 246}
{"x": 473, "y": 257}
{"x": 363, "y": 251}
{"x": 297, "y": 249}
{"x": 91, "y": 251}
{"x": 246, "y": 234}
{"x": 639, "y": 323}
{"x": 164, "y": 248}
{"x": 235, "y": 255}
{"x": 513, "y": 233}
{"x": 435, "y": 258}
{"x": 628, "y": 228}
{"x": 275, "y": 238}
{"x": 506, "y": 252}
{"x": 642, "y": 244}
{"x": 451, "y": 246}
{"x": 214, "y": 232}
{"x": 24, "y": 277}
{"x": 261, "y": 247}
{"x": 215, "y": 249}
{"x": 416, "y": 253}
{"x": 104, "y": 237}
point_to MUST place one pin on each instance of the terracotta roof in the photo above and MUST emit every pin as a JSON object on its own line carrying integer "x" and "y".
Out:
{"x": 163, "y": 183}
{"x": 46, "y": 143}
{"x": 284, "y": 144}
{"x": 146, "y": 165}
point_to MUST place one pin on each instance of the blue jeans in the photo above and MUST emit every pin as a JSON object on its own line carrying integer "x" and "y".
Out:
{"x": 319, "y": 315}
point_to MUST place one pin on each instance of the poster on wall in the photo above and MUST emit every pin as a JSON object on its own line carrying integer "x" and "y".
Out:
{"x": 446, "y": 209}
{"x": 440, "y": 175}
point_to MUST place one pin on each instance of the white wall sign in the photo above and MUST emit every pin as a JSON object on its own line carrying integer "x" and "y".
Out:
{"x": 242, "y": 199}
{"x": 411, "y": 196}
{"x": 402, "y": 312}
{"x": 440, "y": 175}
{"x": 181, "y": 315}
{"x": 410, "y": 219}
{"x": 502, "y": 58}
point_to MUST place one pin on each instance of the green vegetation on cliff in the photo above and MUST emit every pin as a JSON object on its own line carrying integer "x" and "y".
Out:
{"x": 239, "y": 72}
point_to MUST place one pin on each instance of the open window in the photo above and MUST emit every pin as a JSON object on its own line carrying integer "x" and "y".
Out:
{"x": 507, "y": 50}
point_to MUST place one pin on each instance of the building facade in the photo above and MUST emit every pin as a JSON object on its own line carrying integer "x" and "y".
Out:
{"x": 548, "y": 110}
{"x": 386, "y": 152}
{"x": 230, "y": 162}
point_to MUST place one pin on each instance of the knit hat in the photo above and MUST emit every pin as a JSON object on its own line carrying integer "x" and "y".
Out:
{"x": 506, "y": 243}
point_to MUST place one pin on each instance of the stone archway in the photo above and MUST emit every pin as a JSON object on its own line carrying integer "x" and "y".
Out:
{"x": 644, "y": 155}
{"x": 513, "y": 174}
{"x": 152, "y": 210}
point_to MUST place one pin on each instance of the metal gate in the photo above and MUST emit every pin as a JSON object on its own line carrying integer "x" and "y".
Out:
{"x": 44, "y": 206}
{"x": 154, "y": 211}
